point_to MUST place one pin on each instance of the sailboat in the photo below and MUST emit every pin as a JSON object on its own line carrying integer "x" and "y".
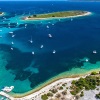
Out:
{"x": 32, "y": 52}
{"x": 41, "y": 46}
{"x": 31, "y": 41}
{"x": 50, "y": 36}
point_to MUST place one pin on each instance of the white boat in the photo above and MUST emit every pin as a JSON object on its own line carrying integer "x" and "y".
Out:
{"x": 52, "y": 24}
{"x": 32, "y": 52}
{"x": 13, "y": 35}
{"x": 87, "y": 60}
{"x": 41, "y": 46}
{"x": 8, "y": 89}
{"x": 25, "y": 25}
{"x": 50, "y": 36}
{"x": 94, "y": 51}
{"x": 31, "y": 41}
{"x": 11, "y": 48}
{"x": 54, "y": 51}
{"x": 0, "y": 30}
{"x": 47, "y": 26}
{"x": 11, "y": 32}
{"x": 12, "y": 42}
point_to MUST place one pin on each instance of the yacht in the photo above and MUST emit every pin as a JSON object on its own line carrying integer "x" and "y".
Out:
{"x": 54, "y": 51}
{"x": 87, "y": 60}
{"x": 47, "y": 26}
{"x": 94, "y": 52}
{"x": 11, "y": 32}
{"x": 8, "y": 89}
{"x": 12, "y": 42}
{"x": 32, "y": 52}
{"x": 13, "y": 35}
{"x": 11, "y": 48}
{"x": 41, "y": 46}
{"x": 50, "y": 36}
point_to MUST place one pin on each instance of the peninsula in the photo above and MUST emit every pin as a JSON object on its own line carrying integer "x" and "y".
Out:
{"x": 55, "y": 15}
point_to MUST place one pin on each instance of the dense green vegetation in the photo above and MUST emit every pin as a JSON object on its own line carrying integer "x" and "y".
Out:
{"x": 88, "y": 83}
{"x": 58, "y": 14}
{"x": 44, "y": 97}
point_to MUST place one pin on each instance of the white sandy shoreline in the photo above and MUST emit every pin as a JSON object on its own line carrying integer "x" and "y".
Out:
{"x": 33, "y": 19}
{"x": 37, "y": 95}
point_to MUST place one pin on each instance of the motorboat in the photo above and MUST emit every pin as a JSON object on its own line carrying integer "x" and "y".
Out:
{"x": 11, "y": 48}
{"x": 47, "y": 26}
{"x": 8, "y": 89}
{"x": 32, "y": 52}
{"x": 12, "y": 42}
{"x": 54, "y": 51}
{"x": 13, "y": 35}
{"x": 11, "y": 32}
{"x": 50, "y": 36}
{"x": 94, "y": 52}
{"x": 87, "y": 60}
{"x": 41, "y": 46}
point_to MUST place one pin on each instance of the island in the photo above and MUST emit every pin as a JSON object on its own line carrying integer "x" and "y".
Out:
{"x": 76, "y": 88}
{"x": 55, "y": 15}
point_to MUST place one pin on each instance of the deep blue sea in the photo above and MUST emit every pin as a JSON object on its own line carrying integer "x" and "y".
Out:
{"x": 74, "y": 41}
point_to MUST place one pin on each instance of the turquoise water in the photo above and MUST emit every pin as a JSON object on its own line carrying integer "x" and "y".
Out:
{"x": 74, "y": 42}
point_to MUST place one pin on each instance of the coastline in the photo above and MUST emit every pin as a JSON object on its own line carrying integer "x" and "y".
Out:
{"x": 35, "y": 19}
{"x": 46, "y": 86}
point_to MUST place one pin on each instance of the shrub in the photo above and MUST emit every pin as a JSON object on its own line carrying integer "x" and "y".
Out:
{"x": 73, "y": 82}
{"x": 54, "y": 90}
{"x": 49, "y": 94}
{"x": 61, "y": 88}
{"x": 98, "y": 95}
{"x": 82, "y": 94}
{"x": 94, "y": 73}
{"x": 44, "y": 97}
{"x": 64, "y": 92}
{"x": 73, "y": 92}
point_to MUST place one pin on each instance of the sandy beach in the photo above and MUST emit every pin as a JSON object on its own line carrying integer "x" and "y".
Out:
{"x": 85, "y": 14}
{"x": 56, "y": 85}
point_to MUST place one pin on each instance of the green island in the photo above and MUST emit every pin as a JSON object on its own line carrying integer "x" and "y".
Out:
{"x": 62, "y": 14}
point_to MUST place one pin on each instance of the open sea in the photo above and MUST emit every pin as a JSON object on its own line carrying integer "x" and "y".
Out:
{"x": 73, "y": 41}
